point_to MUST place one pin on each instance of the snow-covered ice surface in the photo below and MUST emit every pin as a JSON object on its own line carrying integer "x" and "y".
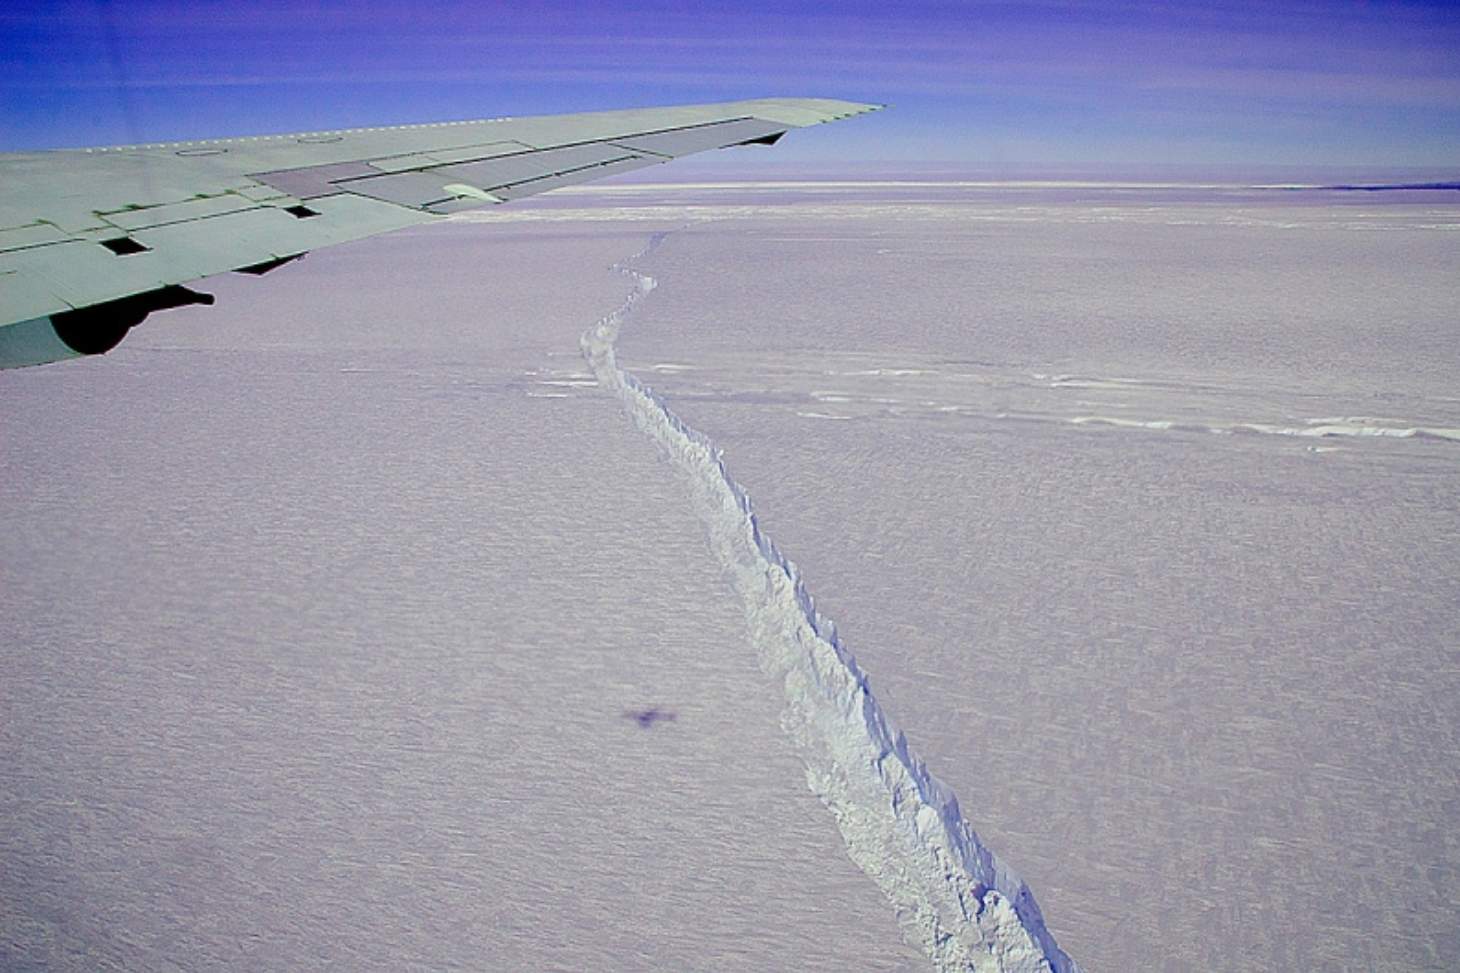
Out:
{"x": 1143, "y": 515}
{"x": 955, "y": 900}
{"x": 324, "y": 644}
{"x": 352, "y": 622}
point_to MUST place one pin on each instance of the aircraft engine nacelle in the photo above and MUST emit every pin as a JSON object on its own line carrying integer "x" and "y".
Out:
{"x": 93, "y": 330}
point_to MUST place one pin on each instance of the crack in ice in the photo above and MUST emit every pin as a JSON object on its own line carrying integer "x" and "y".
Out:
{"x": 900, "y": 824}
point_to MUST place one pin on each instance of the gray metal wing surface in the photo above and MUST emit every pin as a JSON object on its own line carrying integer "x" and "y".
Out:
{"x": 94, "y": 240}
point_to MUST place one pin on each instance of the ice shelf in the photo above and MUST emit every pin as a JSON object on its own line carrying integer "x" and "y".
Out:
{"x": 953, "y": 897}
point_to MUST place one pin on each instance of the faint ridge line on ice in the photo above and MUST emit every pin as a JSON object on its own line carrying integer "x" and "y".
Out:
{"x": 1355, "y": 428}
{"x": 901, "y": 825}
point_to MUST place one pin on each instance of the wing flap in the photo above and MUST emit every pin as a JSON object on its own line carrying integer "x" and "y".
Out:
{"x": 243, "y": 239}
{"x": 542, "y": 184}
{"x": 533, "y": 165}
{"x": 428, "y": 188}
{"x": 309, "y": 182}
{"x": 193, "y": 209}
{"x": 508, "y": 170}
{"x": 79, "y": 273}
{"x": 414, "y": 189}
{"x": 25, "y": 237}
{"x": 440, "y": 157}
{"x": 268, "y": 233}
{"x": 25, "y": 295}
{"x": 700, "y": 138}
{"x": 425, "y": 186}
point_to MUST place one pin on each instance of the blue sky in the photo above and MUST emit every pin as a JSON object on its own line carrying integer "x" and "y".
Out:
{"x": 1056, "y": 83}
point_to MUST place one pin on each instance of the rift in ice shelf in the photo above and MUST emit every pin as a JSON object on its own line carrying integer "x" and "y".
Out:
{"x": 92, "y": 241}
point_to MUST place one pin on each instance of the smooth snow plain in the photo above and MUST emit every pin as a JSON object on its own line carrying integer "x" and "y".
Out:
{"x": 330, "y": 614}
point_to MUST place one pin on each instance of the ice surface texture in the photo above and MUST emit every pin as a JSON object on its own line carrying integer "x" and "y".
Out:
{"x": 316, "y": 651}
{"x": 1189, "y": 683}
{"x": 953, "y": 897}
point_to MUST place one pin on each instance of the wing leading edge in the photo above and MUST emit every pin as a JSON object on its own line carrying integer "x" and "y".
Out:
{"x": 94, "y": 240}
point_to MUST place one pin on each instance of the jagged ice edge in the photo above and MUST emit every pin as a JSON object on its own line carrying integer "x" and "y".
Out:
{"x": 954, "y": 899}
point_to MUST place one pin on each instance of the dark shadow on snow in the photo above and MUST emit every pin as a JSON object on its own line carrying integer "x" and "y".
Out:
{"x": 646, "y": 718}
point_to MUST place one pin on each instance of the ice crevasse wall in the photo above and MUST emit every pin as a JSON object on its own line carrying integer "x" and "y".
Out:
{"x": 954, "y": 899}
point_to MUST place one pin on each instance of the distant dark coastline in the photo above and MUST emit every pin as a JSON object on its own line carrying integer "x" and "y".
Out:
{"x": 1388, "y": 187}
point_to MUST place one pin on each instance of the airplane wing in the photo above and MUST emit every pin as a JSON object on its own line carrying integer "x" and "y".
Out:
{"x": 94, "y": 240}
